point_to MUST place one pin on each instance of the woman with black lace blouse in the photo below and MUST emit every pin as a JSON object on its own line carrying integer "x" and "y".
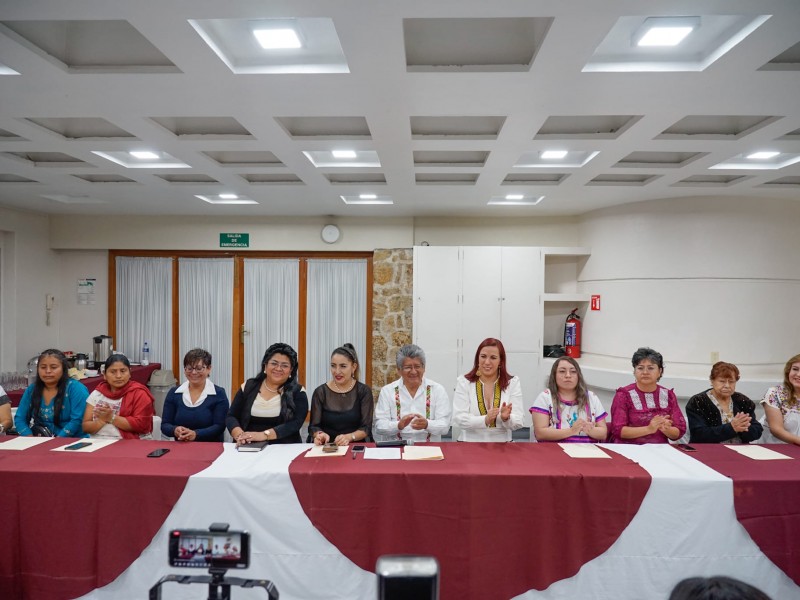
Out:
{"x": 342, "y": 408}
{"x": 721, "y": 415}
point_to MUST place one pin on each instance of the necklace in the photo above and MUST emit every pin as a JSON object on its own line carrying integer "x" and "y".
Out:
{"x": 340, "y": 390}
{"x": 269, "y": 389}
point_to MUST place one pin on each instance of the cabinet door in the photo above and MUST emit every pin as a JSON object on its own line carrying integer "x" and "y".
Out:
{"x": 482, "y": 299}
{"x": 526, "y": 366}
{"x": 521, "y": 289}
{"x": 436, "y": 297}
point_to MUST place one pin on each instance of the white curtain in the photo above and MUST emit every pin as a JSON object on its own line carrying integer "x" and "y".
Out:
{"x": 271, "y": 298}
{"x": 205, "y": 303}
{"x": 337, "y": 313}
{"x": 144, "y": 308}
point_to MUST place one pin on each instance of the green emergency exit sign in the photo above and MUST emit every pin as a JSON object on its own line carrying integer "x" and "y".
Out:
{"x": 234, "y": 240}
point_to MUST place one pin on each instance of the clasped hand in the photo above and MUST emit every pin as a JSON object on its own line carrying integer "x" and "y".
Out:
{"x": 660, "y": 423}
{"x": 416, "y": 420}
{"x": 503, "y": 410}
{"x": 103, "y": 412}
{"x": 581, "y": 426}
{"x": 741, "y": 422}
{"x": 184, "y": 434}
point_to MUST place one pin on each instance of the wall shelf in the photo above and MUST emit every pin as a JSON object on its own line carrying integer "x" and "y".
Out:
{"x": 566, "y": 297}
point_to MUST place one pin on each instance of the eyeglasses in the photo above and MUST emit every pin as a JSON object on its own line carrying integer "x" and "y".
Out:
{"x": 411, "y": 368}
{"x": 273, "y": 364}
{"x": 195, "y": 369}
{"x": 646, "y": 368}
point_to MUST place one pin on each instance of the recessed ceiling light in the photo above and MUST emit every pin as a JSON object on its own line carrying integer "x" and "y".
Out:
{"x": 514, "y": 196}
{"x": 665, "y": 31}
{"x": 515, "y": 200}
{"x": 277, "y": 39}
{"x": 343, "y": 153}
{"x": 762, "y": 155}
{"x": 550, "y": 154}
{"x": 144, "y": 155}
{"x": 367, "y": 199}
{"x": 228, "y": 196}
{"x": 220, "y": 199}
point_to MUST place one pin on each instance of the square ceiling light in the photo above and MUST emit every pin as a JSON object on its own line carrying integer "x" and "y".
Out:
{"x": 665, "y": 31}
{"x": 555, "y": 158}
{"x": 711, "y": 37}
{"x": 237, "y": 44}
{"x": 142, "y": 159}
{"x": 760, "y": 161}
{"x": 367, "y": 199}
{"x": 279, "y": 38}
{"x": 343, "y": 157}
{"x": 225, "y": 199}
{"x": 515, "y": 200}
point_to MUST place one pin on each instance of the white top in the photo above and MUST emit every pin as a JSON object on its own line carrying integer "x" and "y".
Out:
{"x": 183, "y": 389}
{"x": 468, "y": 418}
{"x": 385, "y": 425}
{"x": 107, "y": 431}
{"x": 593, "y": 412}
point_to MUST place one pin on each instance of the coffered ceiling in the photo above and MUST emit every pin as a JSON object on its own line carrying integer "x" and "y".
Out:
{"x": 413, "y": 108}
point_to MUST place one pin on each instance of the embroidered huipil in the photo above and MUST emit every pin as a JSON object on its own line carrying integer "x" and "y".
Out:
{"x": 593, "y": 412}
{"x": 430, "y": 401}
{"x": 632, "y": 407}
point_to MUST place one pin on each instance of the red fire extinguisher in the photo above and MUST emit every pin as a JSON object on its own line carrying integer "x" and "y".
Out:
{"x": 572, "y": 334}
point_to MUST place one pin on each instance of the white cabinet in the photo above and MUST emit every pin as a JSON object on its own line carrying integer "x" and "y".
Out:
{"x": 463, "y": 295}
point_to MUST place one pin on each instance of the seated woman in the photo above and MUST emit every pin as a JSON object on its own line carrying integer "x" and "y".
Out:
{"x": 5, "y": 412}
{"x": 341, "y": 409}
{"x": 782, "y": 407}
{"x": 487, "y": 405}
{"x": 721, "y": 415}
{"x": 119, "y": 408}
{"x": 271, "y": 406}
{"x": 196, "y": 409}
{"x": 54, "y": 404}
{"x": 566, "y": 411}
{"x": 644, "y": 412}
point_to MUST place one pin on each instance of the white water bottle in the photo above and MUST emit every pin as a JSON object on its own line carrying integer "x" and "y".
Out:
{"x": 145, "y": 355}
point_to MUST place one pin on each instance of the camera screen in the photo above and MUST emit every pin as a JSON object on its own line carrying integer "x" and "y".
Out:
{"x": 209, "y": 549}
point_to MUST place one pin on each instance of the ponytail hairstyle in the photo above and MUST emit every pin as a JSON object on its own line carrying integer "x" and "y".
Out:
{"x": 349, "y": 352}
{"x": 38, "y": 388}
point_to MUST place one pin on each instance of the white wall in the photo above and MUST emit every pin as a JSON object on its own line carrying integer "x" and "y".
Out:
{"x": 449, "y": 231}
{"x": 78, "y": 323}
{"x": 29, "y": 273}
{"x": 693, "y": 276}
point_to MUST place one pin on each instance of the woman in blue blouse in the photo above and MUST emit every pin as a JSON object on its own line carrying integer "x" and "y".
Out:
{"x": 196, "y": 409}
{"x": 54, "y": 403}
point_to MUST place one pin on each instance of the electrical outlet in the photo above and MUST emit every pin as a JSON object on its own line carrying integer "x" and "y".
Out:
{"x": 714, "y": 357}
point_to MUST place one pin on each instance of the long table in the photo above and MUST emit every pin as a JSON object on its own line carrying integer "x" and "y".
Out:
{"x": 138, "y": 373}
{"x": 504, "y": 520}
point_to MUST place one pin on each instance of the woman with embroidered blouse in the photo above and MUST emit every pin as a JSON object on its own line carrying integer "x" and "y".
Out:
{"x": 119, "y": 408}
{"x": 645, "y": 412}
{"x": 782, "y": 407}
{"x": 341, "y": 409}
{"x": 487, "y": 405}
{"x": 567, "y": 411}
{"x": 54, "y": 404}
{"x": 721, "y": 415}
{"x": 272, "y": 406}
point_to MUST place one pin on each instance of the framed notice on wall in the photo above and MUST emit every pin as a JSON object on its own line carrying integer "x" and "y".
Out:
{"x": 86, "y": 291}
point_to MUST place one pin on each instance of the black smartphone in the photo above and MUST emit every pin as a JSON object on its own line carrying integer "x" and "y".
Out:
{"x": 203, "y": 549}
{"x": 78, "y": 446}
{"x": 686, "y": 448}
{"x": 358, "y": 448}
{"x": 157, "y": 453}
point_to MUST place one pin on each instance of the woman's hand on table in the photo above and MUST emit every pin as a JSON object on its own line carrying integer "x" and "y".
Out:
{"x": 184, "y": 434}
{"x": 247, "y": 437}
{"x": 343, "y": 439}
{"x": 321, "y": 438}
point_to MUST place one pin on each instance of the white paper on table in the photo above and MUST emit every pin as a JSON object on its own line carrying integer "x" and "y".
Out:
{"x": 583, "y": 451}
{"x": 317, "y": 451}
{"x": 22, "y": 442}
{"x": 422, "y": 453}
{"x": 382, "y": 453}
{"x": 757, "y": 452}
{"x": 95, "y": 445}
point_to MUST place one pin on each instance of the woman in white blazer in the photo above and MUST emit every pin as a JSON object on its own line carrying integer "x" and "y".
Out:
{"x": 487, "y": 405}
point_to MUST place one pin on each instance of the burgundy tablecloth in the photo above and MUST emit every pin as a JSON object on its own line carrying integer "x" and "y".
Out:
{"x": 500, "y": 518}
{"x": 72, "y": 522}
{"x": 766, "y": 495}
{"x": 138, "y": 373}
